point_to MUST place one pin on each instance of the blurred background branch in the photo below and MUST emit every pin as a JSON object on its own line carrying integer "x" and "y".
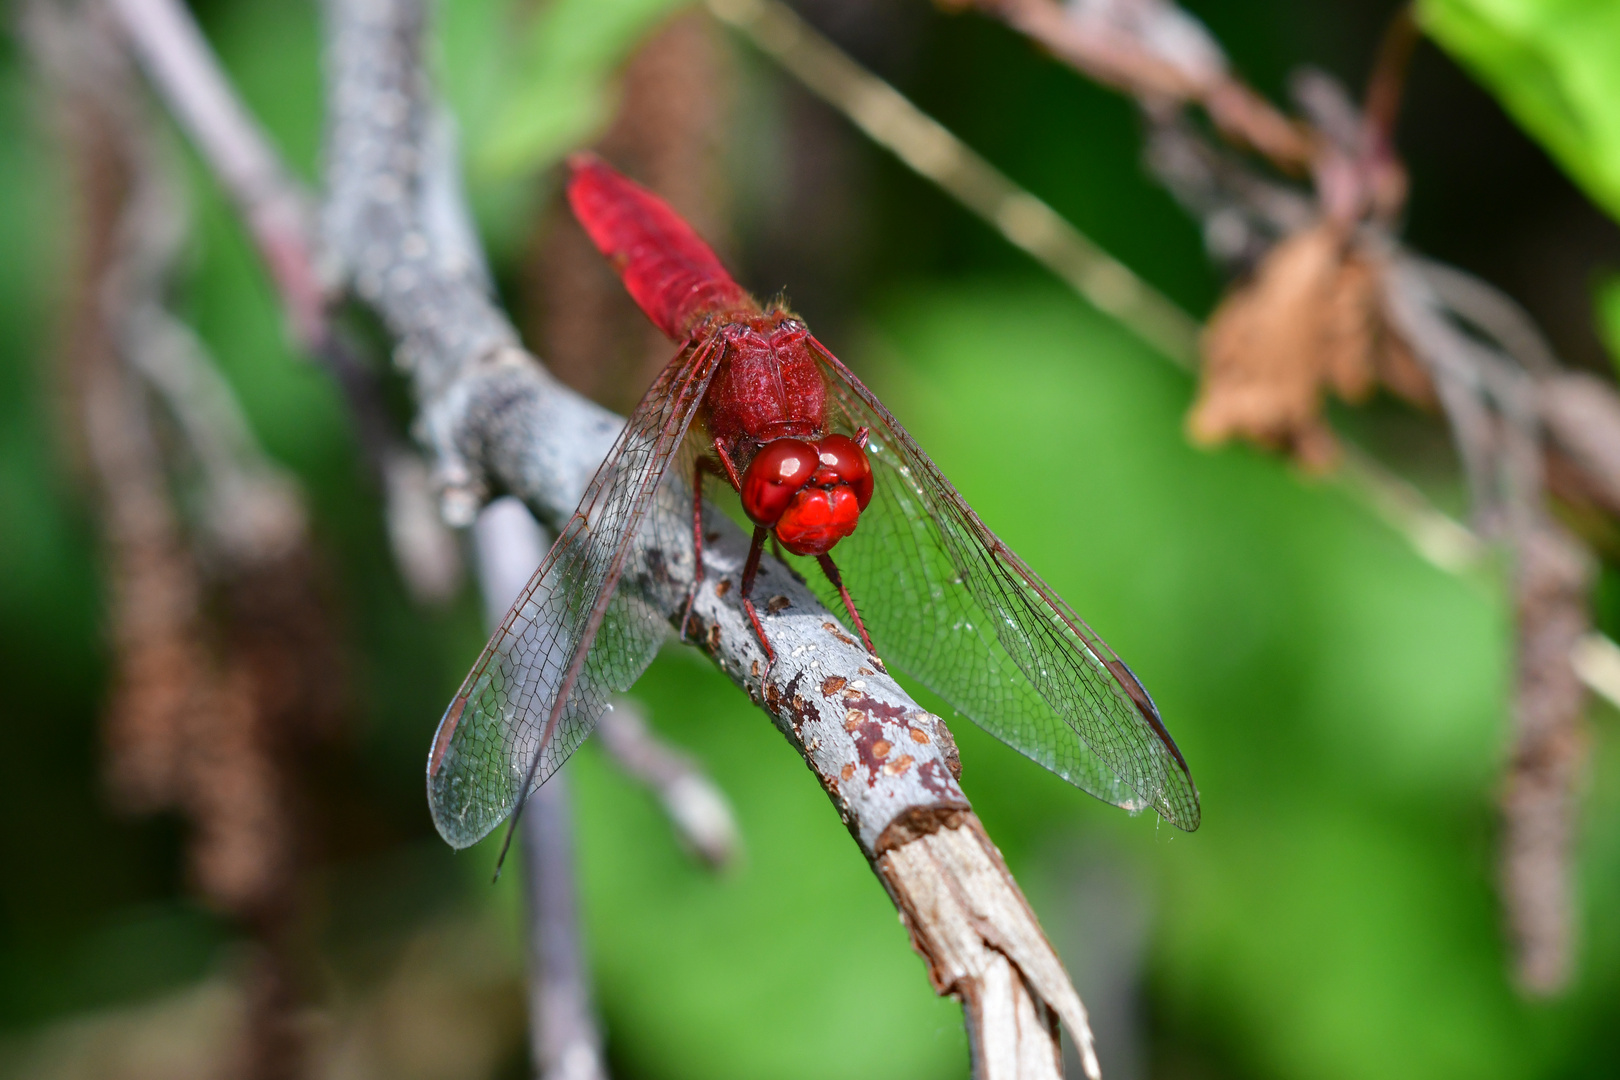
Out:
{"x": 229, "y": 671}
{"x": 564, "y": 1040}
{"x": 279, "y": 217}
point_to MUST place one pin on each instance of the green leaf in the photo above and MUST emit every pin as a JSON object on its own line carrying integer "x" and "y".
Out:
{"x": 1555, "y": 66}
{"x": 559, "y": 87}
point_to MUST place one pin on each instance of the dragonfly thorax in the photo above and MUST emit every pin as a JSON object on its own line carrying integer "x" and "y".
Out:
{"x": 768, "y": 384}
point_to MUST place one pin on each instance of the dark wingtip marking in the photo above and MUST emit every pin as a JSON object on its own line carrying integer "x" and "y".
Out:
{"x": 447, "y": 728}
{"x": 1144, "y": 705}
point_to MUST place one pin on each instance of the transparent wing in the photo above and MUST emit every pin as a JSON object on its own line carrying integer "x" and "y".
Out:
{"x": 946, "y": 601}
{"x": 573, "y": 637}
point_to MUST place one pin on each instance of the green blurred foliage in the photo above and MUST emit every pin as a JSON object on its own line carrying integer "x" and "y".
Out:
{"x": 1607, "y": 309}
{"x": 534, "y": 91}
{"x": 528, "y": 83}
{"x": 1341, "y": 702}
{"x": 1555, "y": 65}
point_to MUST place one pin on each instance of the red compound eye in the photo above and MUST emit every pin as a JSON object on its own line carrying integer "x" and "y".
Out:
{"x": 844, "y": 458}
{"x": 777, "y": 472}
{"x": 817, "y": 518}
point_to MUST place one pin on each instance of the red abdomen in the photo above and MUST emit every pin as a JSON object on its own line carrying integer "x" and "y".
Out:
{"x": 672, "y": 274}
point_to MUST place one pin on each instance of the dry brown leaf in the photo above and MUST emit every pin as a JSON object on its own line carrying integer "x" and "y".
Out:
{"x": 1263, "y": 353}
{"x": 1311, "y": 320}
{"x": 1350, "y": 330}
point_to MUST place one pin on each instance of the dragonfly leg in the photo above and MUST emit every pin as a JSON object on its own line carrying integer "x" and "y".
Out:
{"x": 725, "y": 460}
{"x": 697, "y": 544}
{"x": 830, "y": 568}
{"x": 751, "y": 568}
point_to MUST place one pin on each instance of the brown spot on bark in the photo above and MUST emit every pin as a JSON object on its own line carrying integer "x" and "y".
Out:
{"x": 931, "y": 775}
{"x": 862, "y": 671}
{"x": 866, "y": 723}
{"x": 848, "y": 771}
{"x": 831, "y": 685}
{"x": 778, "y": 604}
{"x": 714, "y": 637}
{"x": 802, "y": 709}
{"x": 881, "y": 709}
{"x": 773, "y": 696}
{"x": 723, "y": 587}
{"x": 753, "y": 669}
{"x": 711, "y": 537}
{"x": 920, "y": 736}
{"x": 898, "y": 766}
{"x": 838, "y": 632}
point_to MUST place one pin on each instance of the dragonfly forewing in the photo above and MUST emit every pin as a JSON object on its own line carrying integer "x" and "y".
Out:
{"x": 573, "y": 638}
{"x": 950, "y": 604}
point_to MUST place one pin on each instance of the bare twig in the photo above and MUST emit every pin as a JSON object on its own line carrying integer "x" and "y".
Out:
{"x": 188, "y": 730}
{"x": 253, "y": 509}
{"x": 919, "y": 140}
{"x": 280, "y": 219}
{"x": 1597, "y": 662}
{"x": 1156, "y": 52}
{"x": 564, "y": 1040}
{"x": 1552, "y": 575}
{"x": 1581, "y": 414}
{"x": 178, "y": 60}
{"x": 695, "y": 805}
{"x": 1539, "y": 801}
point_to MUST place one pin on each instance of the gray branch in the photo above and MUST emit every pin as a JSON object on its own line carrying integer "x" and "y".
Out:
{"x": 178, "y": 60}
{"x": 279, "y": 215}
{"x": 694, "y": 804}
{"x": 564, "y": 1040}
{"x": 498, "y": 422}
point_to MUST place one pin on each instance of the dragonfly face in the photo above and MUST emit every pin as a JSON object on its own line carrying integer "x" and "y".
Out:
{"x": 809, "y": 494}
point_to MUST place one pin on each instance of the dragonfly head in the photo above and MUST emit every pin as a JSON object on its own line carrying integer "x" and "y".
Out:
{"x": 810, "y": 494}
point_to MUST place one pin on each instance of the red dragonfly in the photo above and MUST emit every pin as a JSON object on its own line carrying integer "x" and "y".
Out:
{"x": 755, "y": 401}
